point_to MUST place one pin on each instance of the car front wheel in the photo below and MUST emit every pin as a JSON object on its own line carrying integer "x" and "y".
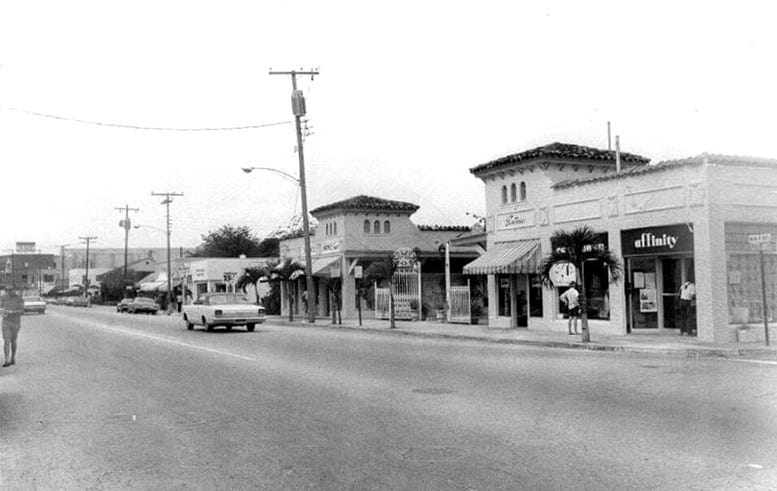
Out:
{"x": 250, "y": 327}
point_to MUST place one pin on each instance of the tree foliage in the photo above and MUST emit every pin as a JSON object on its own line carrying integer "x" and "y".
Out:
{"x": 576, "y": 247}
{"x": 251, "y": 276}
{"x": 287, "y": 271}
{"x": 234, "y": 241}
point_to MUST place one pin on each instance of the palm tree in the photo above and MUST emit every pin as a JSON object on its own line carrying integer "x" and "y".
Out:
{"x": 252, "y": 276}
{"x": 335, "y": 286}
{"x": 383, "y": 270}
{"x": 287, "y": 271}
{"x": 576, "y": 247}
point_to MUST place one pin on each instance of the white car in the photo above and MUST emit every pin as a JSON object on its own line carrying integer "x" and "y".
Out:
{"x": 34, "y": 305}
{"x": 223, "y": 309}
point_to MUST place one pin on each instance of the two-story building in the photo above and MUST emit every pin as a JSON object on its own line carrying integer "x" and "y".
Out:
{"x": 670, "y": 222}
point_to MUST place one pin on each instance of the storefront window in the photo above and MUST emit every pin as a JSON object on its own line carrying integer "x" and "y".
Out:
{"x": 535, "y": 296}
{"x": 745, "y": 297}
{"x": 503, "y": 287}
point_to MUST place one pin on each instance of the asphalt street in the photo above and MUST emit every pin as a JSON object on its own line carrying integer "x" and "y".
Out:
{"x": 99, "y": 400}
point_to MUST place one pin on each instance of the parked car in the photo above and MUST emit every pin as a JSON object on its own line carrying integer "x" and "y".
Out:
{"x": 223, "y": 309}
{"x": 34, "y": 305}
{"x": 143, "y": 304}
{"x": 123, "y": 304}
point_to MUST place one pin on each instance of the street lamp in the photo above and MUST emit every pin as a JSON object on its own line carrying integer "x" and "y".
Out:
{"x": 305, "y": 230}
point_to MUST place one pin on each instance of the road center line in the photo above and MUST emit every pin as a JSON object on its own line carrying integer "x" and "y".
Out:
{"x": 104, "y": 327}
{"x": 756, "y": 362}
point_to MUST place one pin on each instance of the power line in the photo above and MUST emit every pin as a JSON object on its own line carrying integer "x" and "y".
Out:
{"x": 140, "y": 127}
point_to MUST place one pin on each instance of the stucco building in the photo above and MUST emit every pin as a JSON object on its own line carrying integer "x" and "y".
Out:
{"x": 670, "y": 222}
{"x": 354, "y": 232}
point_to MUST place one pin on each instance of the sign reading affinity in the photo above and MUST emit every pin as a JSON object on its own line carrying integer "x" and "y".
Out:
{"x": 668, "y": 239}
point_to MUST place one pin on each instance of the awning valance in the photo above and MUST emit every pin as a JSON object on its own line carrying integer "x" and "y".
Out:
{"x": 322, "y": 265}
{"x": 151, "y": 286}
{"x": 515, "y": 257}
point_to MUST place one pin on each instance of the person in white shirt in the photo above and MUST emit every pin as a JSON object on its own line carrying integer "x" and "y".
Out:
{"x": 571, "y": 300}
{"x": 687, "y": 300}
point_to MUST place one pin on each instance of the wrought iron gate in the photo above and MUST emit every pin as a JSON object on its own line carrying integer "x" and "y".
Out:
{"x": 461, "y": 308}
{"x": 406, "y": 290}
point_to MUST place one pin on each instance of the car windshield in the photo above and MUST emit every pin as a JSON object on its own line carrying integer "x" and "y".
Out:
{"x": 227, "y": 298}
{"x": 32, "y": 299}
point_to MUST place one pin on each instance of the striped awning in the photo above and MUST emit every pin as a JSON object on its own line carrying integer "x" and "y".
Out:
{"x": 515, "y": 257}
{"x": 322, "y": 265}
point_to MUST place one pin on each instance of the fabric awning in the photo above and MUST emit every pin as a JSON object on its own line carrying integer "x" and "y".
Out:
{"x": 321, "y": 265}
{"x": 150, "y": 286}
{"x": 515, "y": 257}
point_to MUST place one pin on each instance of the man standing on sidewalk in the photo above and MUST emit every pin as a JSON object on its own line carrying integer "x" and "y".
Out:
{"x": 12, "y": 308}
{"x": 571, "y": 300}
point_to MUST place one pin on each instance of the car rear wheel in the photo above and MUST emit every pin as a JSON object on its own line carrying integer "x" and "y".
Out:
{"x": 208, "y": 327}
{"x": 250, "y": 327}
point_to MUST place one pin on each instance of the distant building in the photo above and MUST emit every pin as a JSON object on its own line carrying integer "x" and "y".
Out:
{"x": 26, "y": 268}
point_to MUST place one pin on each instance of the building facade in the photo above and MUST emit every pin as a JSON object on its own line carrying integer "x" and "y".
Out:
{"x": 672, "y": 222}
{"x": 353, "y": 233}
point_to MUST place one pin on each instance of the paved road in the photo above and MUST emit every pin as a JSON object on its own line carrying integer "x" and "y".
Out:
{"x": 100, "y": 400}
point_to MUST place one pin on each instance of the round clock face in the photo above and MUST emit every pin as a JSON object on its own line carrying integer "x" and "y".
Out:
{"x": 561, "y": 274}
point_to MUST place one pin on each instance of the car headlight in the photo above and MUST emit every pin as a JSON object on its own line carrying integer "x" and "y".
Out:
{"x": 218, "y": 313}
{"x": 261, "y": 311}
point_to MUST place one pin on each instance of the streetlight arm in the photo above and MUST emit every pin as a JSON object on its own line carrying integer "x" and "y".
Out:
{"x": 248, "y": 170}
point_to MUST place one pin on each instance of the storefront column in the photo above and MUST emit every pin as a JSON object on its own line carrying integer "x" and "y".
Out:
{"x": 349, "y": 298}
{"x": 617, "y": 291}
{"x": 321, "y": 293}
{"x": 493, "y": 300}
{"x": 711, "y": 283}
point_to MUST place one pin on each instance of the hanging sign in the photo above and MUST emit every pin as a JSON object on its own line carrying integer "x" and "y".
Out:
{"x": 405, "y": 257}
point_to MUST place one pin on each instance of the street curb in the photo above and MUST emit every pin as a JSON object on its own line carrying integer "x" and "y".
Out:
{"x": 690, "y": 353}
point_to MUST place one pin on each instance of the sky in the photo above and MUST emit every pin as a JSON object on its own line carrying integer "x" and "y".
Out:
{"x": 410, "y": 96}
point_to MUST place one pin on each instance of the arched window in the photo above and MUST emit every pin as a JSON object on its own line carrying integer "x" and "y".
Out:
{"x": 386, "y": 227}
{"x": 366, "y": 226}
{"x": 376, "y": 227}
{"x": 523, "y": 191}
{"x": 504, "y": 194}
{"x": 512, "y": 193}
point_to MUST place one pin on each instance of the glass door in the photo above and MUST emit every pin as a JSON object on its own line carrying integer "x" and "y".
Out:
{"x": 672, "y": 278}
{"x": 642, "y": 288}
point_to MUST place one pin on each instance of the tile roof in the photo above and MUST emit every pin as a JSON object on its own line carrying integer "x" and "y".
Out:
{"x": 368, "y": 203}
{"x": 560, "y": 151}
{"x": 704, "y": 158}
{"x": 444, "y": 228}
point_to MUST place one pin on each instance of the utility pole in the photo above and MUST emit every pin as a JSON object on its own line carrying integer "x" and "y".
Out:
{"x": 298, "y": 108}
{"x": 127, "y": 226}
{"x": 168, "y": 199}
{"x": 62, "y": 265}
{"x": 88, "y": 239}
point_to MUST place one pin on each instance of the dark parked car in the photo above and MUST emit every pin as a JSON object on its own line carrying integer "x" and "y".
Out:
{"x": 143, "y": 304}
{"x": 123, "y": 304}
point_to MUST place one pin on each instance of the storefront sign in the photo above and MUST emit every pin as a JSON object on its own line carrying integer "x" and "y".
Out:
{"x": 670, "y": 239}
{"x": 333, "y": 246}
{"x": 515, "y": 220}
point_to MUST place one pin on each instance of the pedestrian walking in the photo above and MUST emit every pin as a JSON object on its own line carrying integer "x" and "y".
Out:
{"x": 571, "y": 299}
{"x": 12, "y": 308}
{"x": 687, "y": 304}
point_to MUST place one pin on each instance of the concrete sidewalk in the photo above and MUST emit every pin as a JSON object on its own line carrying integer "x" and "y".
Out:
{"x": 667, "y": 344}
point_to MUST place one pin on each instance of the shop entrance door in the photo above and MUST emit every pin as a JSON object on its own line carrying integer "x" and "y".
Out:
{"x": 654, "y": 286}
{"x": 674, "y": 272}
{"x": 643, "y": 301}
